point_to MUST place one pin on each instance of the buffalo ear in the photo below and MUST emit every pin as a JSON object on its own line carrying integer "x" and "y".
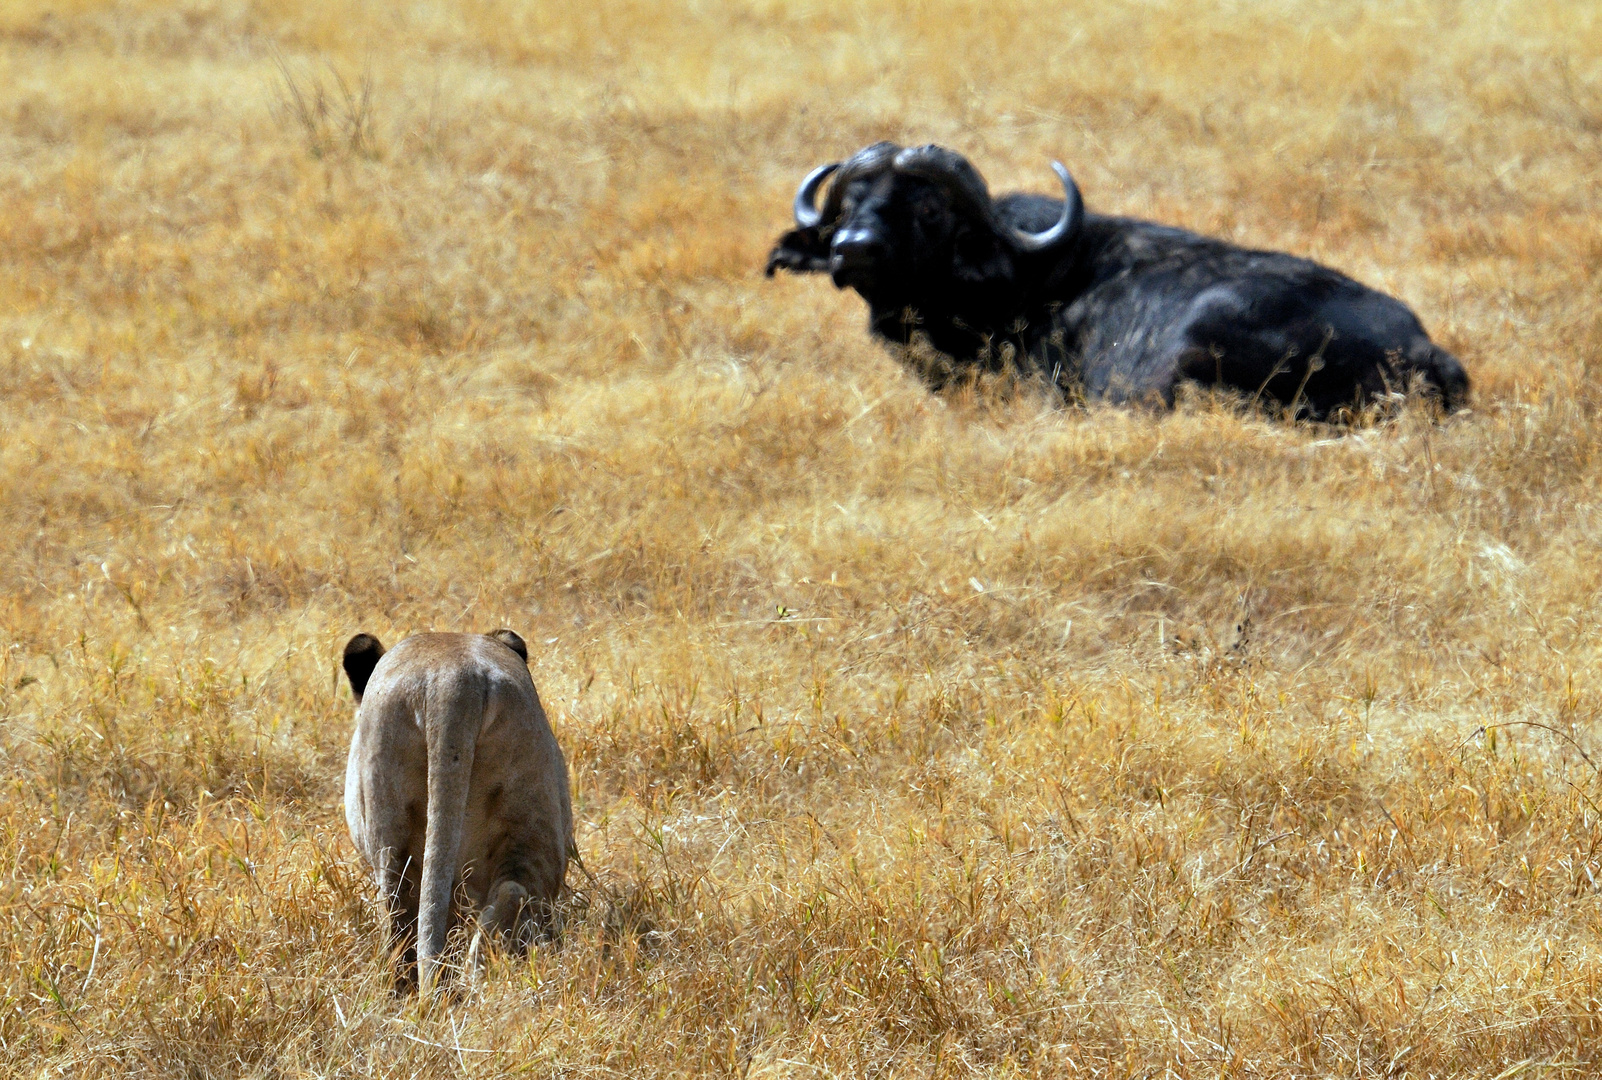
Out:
{"x": 362, "y": 654}
{"x": 981, "y": 257}
{"x": 513, "y": 642}
{"x": 800, "y": 251}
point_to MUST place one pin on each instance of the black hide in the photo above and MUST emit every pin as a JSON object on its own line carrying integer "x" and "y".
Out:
{"x": 1120, "y": 310}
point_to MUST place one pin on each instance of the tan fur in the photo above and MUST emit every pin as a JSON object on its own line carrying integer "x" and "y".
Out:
{"x": 455, "y": 788}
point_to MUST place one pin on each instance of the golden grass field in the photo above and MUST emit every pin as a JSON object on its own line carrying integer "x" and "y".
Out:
{"x": 909, "y": 735}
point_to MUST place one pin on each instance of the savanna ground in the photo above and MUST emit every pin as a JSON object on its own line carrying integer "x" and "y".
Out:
{"x": 909, "y": 736}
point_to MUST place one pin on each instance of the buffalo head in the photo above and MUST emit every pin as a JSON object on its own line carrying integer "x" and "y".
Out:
{"x": 904, "y": 224}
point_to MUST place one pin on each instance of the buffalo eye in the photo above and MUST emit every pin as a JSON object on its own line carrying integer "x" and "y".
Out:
{"x": 928, "y": 210}
{"x": 851, "y": 197}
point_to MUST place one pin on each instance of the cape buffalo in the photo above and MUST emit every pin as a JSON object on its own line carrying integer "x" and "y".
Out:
{"x": 1112, "y": 308}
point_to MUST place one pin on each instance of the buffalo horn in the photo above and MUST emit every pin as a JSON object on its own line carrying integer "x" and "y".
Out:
{"x": 807, "y": 214}
{"x": 1073, "y": 208}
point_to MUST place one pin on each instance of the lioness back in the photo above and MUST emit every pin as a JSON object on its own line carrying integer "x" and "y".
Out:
{"x": 455, "y": 787}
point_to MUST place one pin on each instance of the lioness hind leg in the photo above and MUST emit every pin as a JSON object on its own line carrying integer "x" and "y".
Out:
{"x": 534, "y": 870}
{"x": 499, "y": 920}
{"x": 505, "y": 908}
{"x": 397, "y": 886}
{"x": 517, "y": 918}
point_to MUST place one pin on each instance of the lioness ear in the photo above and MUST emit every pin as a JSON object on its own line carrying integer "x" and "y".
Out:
{"x": 362, "y": 654}
{"x": 800, "y": 251}
{"x": 513, "y": 642}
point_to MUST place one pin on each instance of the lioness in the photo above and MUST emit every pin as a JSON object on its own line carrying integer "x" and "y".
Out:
{"x": 455, "y": 779}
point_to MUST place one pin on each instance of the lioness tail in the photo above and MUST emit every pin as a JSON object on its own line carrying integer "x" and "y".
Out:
{"x": 450, "y": 767}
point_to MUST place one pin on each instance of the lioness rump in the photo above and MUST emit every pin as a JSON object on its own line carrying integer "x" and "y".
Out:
{"x": 455, "y": 788}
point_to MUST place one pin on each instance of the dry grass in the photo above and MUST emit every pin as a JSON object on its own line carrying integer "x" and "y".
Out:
{"x": 909, "y": 736}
